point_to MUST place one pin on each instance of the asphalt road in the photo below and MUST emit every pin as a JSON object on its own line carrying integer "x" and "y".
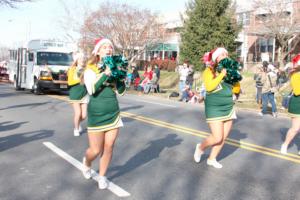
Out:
{"x": 153, "y": 156}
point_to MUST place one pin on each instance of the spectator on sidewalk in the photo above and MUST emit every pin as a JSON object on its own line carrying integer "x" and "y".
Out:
{"x": 268, "y": 79}
{"x": 157, "y": 72}
{"x": 187, "y": 94}
{"x": 258, "y": 83}
{"x": 148, "y": 74}
{"x": 190, "y": 76}
{"x": 135, "y": 74}
{"x": 135, "y": 78}
{"x": 199, "y": 95}
{"x": 183, "y": 71}
{"x": 151, "y": 85}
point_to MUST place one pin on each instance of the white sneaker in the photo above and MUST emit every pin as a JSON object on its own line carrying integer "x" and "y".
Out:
{"x": 198, "y": 153}
{"x": 261, "y": 114}
{"x": 283, "y": 149}
{"x": 274, "y": 114}
{"x": 214, "y": 163}
{"x": 76, "y": 132}
{"x": 102, "y": 182}
{"x": 87, "y": 172}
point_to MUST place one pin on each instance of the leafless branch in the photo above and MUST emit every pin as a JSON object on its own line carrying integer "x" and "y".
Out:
{"x": 278, "y": 20}
{"x": 131, "y": 29}
{"x": 12, "y": 3}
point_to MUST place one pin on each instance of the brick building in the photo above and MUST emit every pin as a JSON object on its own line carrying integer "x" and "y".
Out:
{"x": 260, "y": 23}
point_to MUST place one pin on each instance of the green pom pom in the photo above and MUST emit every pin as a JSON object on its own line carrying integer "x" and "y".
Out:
{"x": 233, "y": 70}
{"x": 118, "y": 66}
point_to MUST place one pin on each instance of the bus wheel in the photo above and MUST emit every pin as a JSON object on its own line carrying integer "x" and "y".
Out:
{"x": 36, "y": 88}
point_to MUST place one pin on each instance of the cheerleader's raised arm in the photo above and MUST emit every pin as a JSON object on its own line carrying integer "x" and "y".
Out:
{"x": 210, "y": 82}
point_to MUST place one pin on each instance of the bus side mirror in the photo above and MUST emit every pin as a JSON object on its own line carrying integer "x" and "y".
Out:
{"x": 30, "y": 57}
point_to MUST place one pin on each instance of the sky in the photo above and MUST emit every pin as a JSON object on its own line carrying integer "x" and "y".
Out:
{"x": 41, "y": 19}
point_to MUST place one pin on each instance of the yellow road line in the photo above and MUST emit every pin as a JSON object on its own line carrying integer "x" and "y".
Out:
{"x": 244, "y": 145}
{"x": 228, "y": 139}
{"x": 240, "y": 144}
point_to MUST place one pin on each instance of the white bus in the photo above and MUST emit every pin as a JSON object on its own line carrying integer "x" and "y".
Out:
{"x": 42, "y": 65}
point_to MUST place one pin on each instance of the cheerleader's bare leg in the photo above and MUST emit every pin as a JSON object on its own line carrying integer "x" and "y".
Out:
{"x": 77, "y": 115}
{"x": 216, "y": 137}
{"x": 109, "y": 141}
{"x": 96, "y": 144}
{"x": 217, "y": 148}
{"x": 292, "y": 132}
{"x": 83, "y": 111}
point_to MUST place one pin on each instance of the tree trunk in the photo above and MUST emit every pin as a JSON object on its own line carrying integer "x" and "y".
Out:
{"x": 281, "y": 57}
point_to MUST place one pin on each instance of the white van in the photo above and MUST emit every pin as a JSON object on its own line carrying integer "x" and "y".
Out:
{"x": 41, "y": 65}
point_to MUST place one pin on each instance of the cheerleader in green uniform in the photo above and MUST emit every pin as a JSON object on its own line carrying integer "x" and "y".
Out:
{"x": 294, "y": 105}
{"x": 104, "y": 118}
{"x": 218, "y": 108}
{"x": 77, "y": 91}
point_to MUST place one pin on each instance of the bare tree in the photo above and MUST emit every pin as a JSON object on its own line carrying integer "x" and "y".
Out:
{"x": 280, "y": 20}
{"x": 12, "y": 3}
{"x": 73, "y": 18}
{"x": 132, "y": 30}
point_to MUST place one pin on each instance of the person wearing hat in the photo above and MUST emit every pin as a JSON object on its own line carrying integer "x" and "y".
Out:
{"x": 104, "y": 118}
{"x": 269, "y": 87}
{"x": 218, "y": 108}
{"x": 258, "y": 84}
{"x": 294, "y": 105}
{"x": 77, "y": 92}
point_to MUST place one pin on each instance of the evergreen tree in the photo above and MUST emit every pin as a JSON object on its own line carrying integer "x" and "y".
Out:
{"x": 209, "y": 24}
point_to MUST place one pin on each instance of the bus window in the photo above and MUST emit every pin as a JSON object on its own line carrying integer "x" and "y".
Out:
{"x": 54, "y": 58}
{"x": 30, "y": 57}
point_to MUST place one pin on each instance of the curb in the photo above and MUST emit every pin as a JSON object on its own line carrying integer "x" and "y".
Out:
{"x": 252, "y": 110}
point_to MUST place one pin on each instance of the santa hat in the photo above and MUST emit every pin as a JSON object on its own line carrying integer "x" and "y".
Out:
{"x": 215, "y": 53}
{"x": 296, "y": 60}
{"x": 207, "y": 59}
{"x": 99, "y": 43}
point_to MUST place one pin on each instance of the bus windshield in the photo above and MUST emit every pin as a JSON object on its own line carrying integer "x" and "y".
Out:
{"x": 54, "y": 58}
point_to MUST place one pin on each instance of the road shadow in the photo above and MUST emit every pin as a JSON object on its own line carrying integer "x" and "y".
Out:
{"x": 127, "y": 119}
{"x": 230, "y": 149}
{"x": 15, "y": 140}
{"x": 124, "y": 109}
{"x": 151, "y": 152}
{"x": 8, "y": 94}
{"x": 32, "y": 105}
{"x": 10, "y": 125}
{"x": 295, "y": 141}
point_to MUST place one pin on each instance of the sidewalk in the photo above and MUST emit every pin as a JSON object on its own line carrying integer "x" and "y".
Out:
{"x": 238, "y": 104}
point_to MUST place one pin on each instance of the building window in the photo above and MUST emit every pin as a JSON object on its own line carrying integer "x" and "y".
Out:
{"x": 243, "y": 18}
{"x": 266, "y": 45}
{"x": 239, "y": 50}
{"x": 246, "y": 19}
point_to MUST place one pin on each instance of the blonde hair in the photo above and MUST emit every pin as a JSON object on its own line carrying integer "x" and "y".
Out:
{"x": 94, "y": 59}
{"x": 79, "y": 56}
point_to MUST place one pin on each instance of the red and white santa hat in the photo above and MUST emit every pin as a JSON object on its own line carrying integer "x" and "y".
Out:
{"x": 296, "y": 60}
{"x": 207, "y": 59}
{"x": 99, "y": 43}
{"x": 215, "y": 53}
